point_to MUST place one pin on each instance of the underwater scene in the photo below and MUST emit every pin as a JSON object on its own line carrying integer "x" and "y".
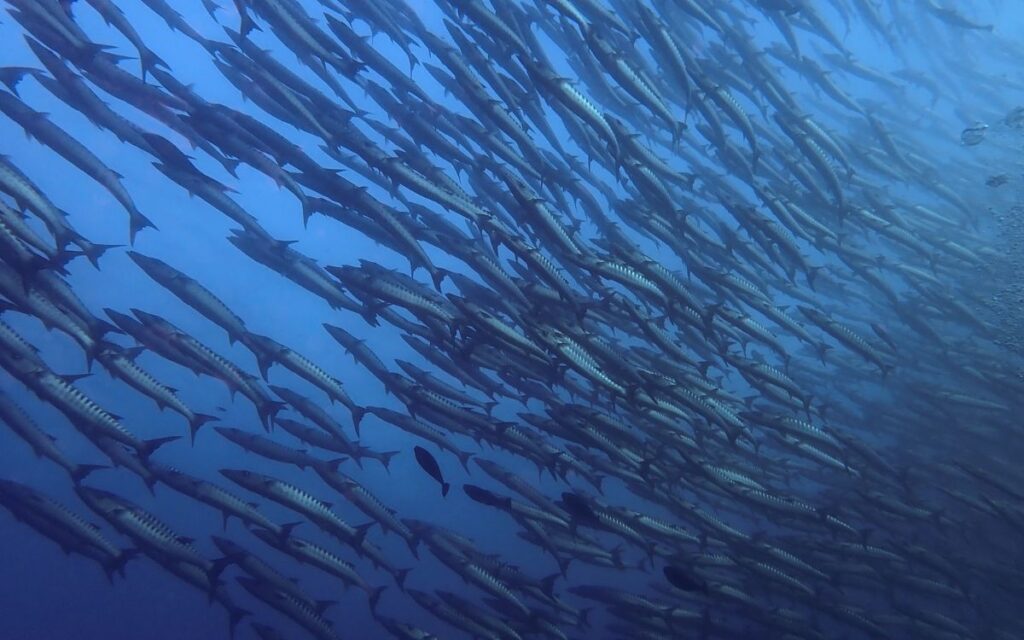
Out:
{"x": 512, "y": 319}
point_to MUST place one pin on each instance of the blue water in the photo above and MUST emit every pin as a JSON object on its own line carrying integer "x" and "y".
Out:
{"x": 45, "y": 594}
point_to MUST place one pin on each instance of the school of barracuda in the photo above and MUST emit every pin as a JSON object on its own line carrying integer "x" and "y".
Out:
{"x": 747, "y": 318}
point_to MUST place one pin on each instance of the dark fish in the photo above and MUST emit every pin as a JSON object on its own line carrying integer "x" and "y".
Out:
{"x": 579, "y": 508}
{"x": 429, "y": 464}
{"x": 489, "y": 498}
{"x": 683, "y": 579}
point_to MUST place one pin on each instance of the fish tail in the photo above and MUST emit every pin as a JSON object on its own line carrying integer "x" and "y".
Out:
{"x": 198, "y": 420}
{"x": 357, "y": 418}
{"x": 267, "y": 411}
{"x": 11, "y": 76}
{"x": 235, "y": 615}
{"x": 80, "y": 471}
{"x": 148, "y": 59}
{"x": 375, "y": 595}
{"x": 117, "y": 563}
{"x": 92, "y": 251}
{"x": 137, "y": 222}
{"x": 400, "y": 577}
{"x": 151, "y": 445}
{"x": 464, "y": 458}
{"x": 413, "y": 543}
{"x": 385, "y": 459}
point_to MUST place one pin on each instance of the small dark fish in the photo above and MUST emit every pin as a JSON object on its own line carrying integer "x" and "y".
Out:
{"x": 429, "y": 464}
{"x": 997, "y": 180}
{"x": 681, "y": 579}
{"x": 489, "y": 498}
{"x": 973, "y": 134}
{"x": 579, "y": 508}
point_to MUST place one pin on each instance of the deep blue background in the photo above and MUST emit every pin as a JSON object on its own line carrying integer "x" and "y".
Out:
{"x": 46, "y": 595}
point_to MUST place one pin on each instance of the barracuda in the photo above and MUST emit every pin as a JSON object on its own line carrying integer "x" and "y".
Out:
{"x": 368, "y": 503}
{"x": 123, "y": 367}
{"x": 298, "y": 610}
{"x": 39, "y": 126}
{"x": 319, "y": 557}
{"x": 85, "y": 414}
{"x": 578, "y": 104}
{"x": 269, "y": 351}
{"x": 452, "y": 616}
{"x": 208, "y": 493}
{"x": 298, "y": 500}
{"x": 42, "y": 443}
{"x": 192, "y": 293}
{"x": 153, "y": 536}
{"x": 68, "y": 529}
